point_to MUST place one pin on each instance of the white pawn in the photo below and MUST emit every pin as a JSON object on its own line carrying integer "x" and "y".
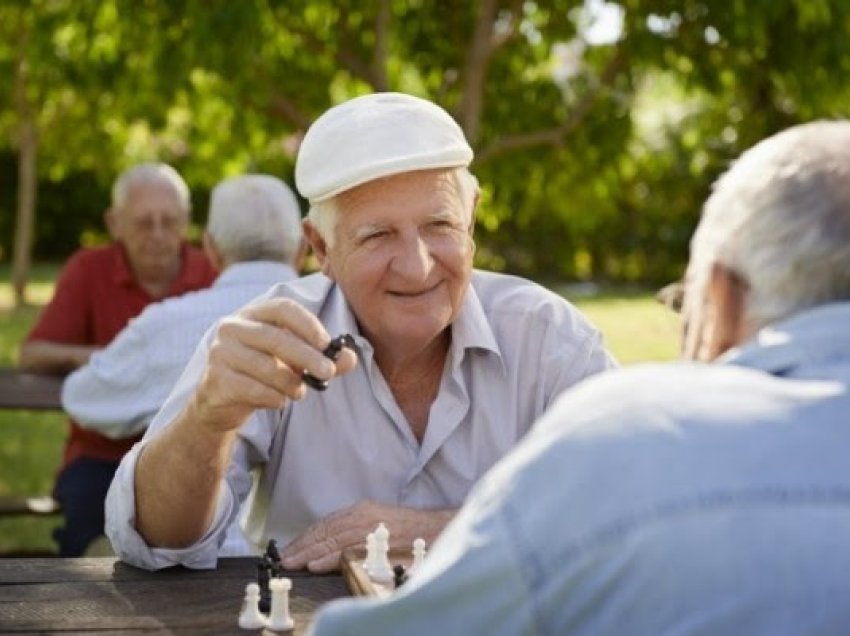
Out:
{"x": 250, "y": 616}
{"x": 369, "y": 563}
{"x": 418, "y": 553}
{"x": 279, "y": 618}
{"x": 382, "y": 571}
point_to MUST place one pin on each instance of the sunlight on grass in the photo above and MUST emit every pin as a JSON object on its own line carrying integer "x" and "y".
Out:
{"x": 636, "y": 329}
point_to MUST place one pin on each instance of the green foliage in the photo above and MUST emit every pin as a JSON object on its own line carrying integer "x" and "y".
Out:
{"x": 600, "y": 174}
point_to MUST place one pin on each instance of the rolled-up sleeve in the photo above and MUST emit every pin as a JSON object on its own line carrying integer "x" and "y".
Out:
{"x": 132, "y": 548}
{"x": 121, "y": 500}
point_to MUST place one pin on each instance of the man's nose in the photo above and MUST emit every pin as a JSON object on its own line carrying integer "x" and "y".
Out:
{"x": 413, "y": 258}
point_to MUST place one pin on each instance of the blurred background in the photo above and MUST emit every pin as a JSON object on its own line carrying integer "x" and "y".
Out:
{"x": 598, "y": 129}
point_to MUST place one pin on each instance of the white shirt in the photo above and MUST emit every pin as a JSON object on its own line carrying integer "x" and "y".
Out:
{"x": 515, "y": 346}
{"x": 123, "y": 386}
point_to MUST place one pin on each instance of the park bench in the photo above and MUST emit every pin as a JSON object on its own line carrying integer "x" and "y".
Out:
{"x": 32, "y": 392}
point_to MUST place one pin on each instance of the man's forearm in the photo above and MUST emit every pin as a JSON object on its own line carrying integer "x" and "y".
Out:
{"x": 53, "y": 357}
{"x": 178, "y": 477}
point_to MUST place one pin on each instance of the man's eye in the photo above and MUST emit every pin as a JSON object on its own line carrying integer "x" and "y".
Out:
{"x": 373, "y": 236}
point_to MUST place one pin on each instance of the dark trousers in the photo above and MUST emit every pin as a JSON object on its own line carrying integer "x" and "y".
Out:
{"x": 81, "y": 489}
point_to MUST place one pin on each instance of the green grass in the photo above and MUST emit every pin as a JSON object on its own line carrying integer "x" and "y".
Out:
{"x": 636, "y": 328}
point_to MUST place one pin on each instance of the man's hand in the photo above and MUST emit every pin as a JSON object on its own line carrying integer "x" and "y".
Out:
{"x": 320, "y": 546}
{"x": 257, "y": 359}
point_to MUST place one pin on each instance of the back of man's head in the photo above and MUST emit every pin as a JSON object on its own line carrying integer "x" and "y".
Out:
{"x": 780, "y": 219}
{"x": 255, "y": 217}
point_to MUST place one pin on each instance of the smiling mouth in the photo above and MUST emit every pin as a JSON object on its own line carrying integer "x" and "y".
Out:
{"x": 413, "y": 294}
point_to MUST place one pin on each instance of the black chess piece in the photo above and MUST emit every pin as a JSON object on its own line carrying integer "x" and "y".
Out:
{"x": 272, "y": 552}
{"x": 399, "y": 575}
{"x": 332, "y": 351}
{"x": 264, "y": 573}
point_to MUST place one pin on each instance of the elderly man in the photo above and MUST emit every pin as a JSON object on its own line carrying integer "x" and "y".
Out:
{"x": 98, "y": 291}
{"x": 254, "y": 239}
{"x": 452, "y": 366}
{"x": 686, "y": 498}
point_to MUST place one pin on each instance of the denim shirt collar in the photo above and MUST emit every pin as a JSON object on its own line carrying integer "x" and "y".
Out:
{"x": 808, "y": 336}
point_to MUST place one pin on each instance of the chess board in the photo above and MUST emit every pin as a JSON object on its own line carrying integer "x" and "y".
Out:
{"x": 359, "y": 583}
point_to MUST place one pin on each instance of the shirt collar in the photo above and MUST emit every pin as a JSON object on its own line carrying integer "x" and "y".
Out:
{"x": 121, "y": 271}
{"x": 248, "y": 272}
{"x": 189, "y": 277}
{"x": 809, "y": 336}
{"x": 470, "y": 330}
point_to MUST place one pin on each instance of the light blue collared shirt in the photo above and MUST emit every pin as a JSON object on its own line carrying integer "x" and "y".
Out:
{"x": 122, "y": 387}
{"x": 686, "y": 498}
{"x": 515, "y": 347}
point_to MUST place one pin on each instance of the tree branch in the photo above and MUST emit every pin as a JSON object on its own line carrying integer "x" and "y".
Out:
{"x": 475, "y": 69}
{"x": 281, "y": 107}
{"x": 485, "y": 41}
{"x": 555, "y": 136}
{"x": 381, "y": 53}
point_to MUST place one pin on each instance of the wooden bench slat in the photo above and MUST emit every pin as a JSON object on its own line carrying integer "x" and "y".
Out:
{"x": 13, "y": 505}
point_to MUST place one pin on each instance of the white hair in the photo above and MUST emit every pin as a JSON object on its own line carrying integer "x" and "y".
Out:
{"x": 780, "y": 219}
{"x": 255, "y": 217}
{"x": 148, "y": 173}
{"x": 323, "y": 214}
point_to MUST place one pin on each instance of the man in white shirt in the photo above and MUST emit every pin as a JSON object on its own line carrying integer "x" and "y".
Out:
{"x": 449, "y": 368}
{"x": 254, "y": 238}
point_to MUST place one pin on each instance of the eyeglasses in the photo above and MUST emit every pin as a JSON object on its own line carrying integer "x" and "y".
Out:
{"x": 672, "y": 295}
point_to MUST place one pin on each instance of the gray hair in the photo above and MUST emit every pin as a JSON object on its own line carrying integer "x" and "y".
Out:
{"x": 148, "y": 173}
{"x": 255, "y": 217}
{"x": 780, "y": 218}
{"x": 323, "y": 214}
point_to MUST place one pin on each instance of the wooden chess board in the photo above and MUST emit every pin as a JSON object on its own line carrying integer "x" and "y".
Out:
{"x": 359, "y": 583}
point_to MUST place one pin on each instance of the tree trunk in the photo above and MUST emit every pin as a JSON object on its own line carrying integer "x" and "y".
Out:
{"x": 27, "y": 153}
{"x": 25, "y": 218}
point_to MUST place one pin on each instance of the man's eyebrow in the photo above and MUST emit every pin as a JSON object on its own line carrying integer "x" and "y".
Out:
{"x": 364, "y": 229}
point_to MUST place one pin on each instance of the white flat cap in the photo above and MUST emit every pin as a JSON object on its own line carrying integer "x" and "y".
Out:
{"x": 376, "y": 136}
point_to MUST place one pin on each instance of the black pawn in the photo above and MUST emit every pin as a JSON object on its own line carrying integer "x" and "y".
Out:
{"x": 399, "y": 575}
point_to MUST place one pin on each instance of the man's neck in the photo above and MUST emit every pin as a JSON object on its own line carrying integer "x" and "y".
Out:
{"x": 414, "y": 380}
{"x": 157, "y": 283}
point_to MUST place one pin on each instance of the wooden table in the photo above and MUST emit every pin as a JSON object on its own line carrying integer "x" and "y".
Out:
{"x": 105, "y": 596}
{"x": 31, "y": 391}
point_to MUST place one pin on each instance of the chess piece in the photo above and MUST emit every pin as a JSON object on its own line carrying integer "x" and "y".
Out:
{"x": 399, "y": 575}
{"x": 264, "y": 574}
{"x": 250, "y": 616}
{"x": 382, "y": 571}
{"x": 418, "y": 553}
{"x": 369, "y": 563}
{"x": 280, "y": 620}
{"x": 272, "y": 552}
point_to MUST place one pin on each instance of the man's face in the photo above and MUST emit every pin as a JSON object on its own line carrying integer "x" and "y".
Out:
{"x": 151, "y": 225}
{"x": 403, "y": 256}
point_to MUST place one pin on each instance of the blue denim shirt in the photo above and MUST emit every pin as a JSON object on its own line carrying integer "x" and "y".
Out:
{"x": 665, "y": 499}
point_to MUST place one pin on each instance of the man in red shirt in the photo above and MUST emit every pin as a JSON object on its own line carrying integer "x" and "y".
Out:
{"x": 97, "y": 293}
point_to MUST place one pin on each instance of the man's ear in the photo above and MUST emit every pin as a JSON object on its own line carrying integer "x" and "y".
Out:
{"x": 727, "y": 292}
{"x": 110, "y": 220}
{"x": 320, "y": 247}
{"x": 474, "y": 214}
{"x": 212, "y": 252}
{"x": 300, "y": 255}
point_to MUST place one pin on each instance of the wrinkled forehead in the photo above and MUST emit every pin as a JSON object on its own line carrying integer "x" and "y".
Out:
{"x": 152, "y": 196}
{"x": 408, "y": 194}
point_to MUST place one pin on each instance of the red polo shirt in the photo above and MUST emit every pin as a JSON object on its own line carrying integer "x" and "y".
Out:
{"x": 95, "y": 296}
